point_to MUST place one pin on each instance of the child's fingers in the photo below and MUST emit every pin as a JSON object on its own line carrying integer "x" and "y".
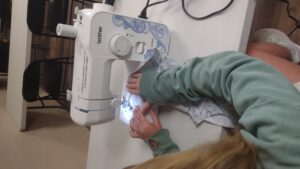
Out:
{"x": 136, "y": 117}
{"x": 137, "y": 109}
{"x": 133, "y": 91}
{"x": 154, "y": 117}
{"x": 146, "y": 107}
{"x": 134, "y": 134}
{"x": 141, "y": 117}
{"x": 131, "y": 86}
{"x": 131, "y": 124}
{"x": 132, "y": 81}
{"x": 136, "y": 75}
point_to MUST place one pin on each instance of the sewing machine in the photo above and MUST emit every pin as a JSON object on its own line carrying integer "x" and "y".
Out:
{"x": 101, "y": 38}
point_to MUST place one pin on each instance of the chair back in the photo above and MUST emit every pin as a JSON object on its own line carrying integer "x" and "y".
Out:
{"x": 31, "y": 82}
{"x": 48, "y": 75}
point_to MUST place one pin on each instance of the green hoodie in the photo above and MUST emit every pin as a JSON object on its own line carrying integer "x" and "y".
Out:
{"x": 268, "y": 105}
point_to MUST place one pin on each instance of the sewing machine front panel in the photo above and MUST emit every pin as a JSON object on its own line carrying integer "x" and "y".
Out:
{"x": 101, "y": 38}
{"x": 142, "y": 35}
{"x": 95, "y": 33}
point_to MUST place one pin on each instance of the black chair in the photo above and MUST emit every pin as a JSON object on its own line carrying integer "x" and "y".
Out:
{"x": 48, "y": 76}
{"x": 41, "y": 23}
{"x": 57, "y": 13}
{"x": 4, "y": 48}
{"x": 5, "y": 10}
{"x": 44, "y": 24}
{"x": 35, "y": 15}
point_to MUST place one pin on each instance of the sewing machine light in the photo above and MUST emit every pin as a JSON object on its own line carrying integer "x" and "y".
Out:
{"x": 129, "y": 102}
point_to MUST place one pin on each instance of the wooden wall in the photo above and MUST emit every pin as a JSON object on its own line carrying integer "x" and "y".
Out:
{"x": 55, "y": 47}
{"x": 273, "y": 14}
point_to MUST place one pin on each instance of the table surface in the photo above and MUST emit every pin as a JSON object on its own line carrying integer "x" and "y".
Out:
{"x": 110, "y": 144}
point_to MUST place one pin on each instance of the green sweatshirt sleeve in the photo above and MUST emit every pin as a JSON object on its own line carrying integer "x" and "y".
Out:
{"x": 161, "y": 143}
{"x": 267, "y": 103}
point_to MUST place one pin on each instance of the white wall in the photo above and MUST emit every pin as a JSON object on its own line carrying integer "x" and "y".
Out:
{"x": 20, "y": 43}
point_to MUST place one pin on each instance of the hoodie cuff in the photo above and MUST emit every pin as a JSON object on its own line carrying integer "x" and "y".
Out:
{"x": 161, "y": 143}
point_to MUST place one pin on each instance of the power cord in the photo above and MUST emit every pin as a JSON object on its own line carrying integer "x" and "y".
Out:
{"x": 143, "y": 13}
{"x": 297, "y": 22}
{"x": 206, "y": 16}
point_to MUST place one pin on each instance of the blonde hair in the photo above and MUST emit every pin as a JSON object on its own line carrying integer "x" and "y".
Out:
{"x": 231, "y": 152}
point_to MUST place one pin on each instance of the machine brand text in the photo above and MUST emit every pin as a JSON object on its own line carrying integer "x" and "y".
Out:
{"x": 99, "y": 35}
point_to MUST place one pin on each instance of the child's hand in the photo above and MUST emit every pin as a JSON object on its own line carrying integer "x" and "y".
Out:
{"x": 146, "y": 107}
{"x": 133, "y": 83}
{"x": 141, "y": 127}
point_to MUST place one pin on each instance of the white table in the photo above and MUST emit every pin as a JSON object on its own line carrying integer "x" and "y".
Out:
{"x": 110, "y": 144}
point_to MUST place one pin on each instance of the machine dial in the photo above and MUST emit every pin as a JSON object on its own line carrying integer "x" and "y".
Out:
{"x": 120, "y": 45}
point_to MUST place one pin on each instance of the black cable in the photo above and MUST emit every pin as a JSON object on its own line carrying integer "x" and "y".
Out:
{"x": 147, "y": 3}
{"x": 156, "y": 3}
{"x": 294, "y": 30}
{"x": 297, "y": 22}
{"x": 143, "y": 13}
{"x": 288, "y": 10}
{"x": 206, "y": 16}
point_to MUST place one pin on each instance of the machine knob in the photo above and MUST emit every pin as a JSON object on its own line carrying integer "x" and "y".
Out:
{"x": 115, "y": 103}
{"x": 66, "y": 30}
{"x": 120, "y": 45}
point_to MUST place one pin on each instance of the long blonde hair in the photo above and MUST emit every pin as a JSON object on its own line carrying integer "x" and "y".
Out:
{"x": 231, "y": 152}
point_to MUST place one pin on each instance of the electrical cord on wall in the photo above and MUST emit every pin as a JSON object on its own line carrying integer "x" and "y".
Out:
{"x": 297, "y": 22}
{"x": 143, "y": 13}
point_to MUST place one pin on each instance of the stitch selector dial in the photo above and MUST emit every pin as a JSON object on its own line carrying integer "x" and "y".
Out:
{"x": 120, "y": 45}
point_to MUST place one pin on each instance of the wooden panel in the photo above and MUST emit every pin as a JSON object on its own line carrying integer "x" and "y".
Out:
{"x": 273, "y": 14}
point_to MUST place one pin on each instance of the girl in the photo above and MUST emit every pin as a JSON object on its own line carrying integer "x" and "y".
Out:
{"x": 267, "y": 104}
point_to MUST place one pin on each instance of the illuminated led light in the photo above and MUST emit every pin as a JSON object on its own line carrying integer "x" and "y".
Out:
{"x": 129, "y": 102}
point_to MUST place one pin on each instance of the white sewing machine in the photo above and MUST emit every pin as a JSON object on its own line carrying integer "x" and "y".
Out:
{"x": 101, "y": 38}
